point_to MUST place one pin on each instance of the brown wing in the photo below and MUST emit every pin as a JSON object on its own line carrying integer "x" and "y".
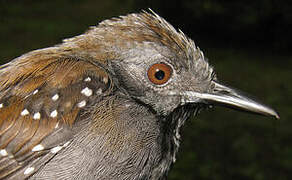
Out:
{"x": 42, "y": 94}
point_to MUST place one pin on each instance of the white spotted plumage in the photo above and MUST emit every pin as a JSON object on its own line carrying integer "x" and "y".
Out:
{"x": 99, "y": 91}
{"x": 28, "y": 170}
{"x": 55, "y": 97}
{"x": 56, "y": 149}
{"x": 38, "y": 147}
{"x": 88, "y": 79}
{"x": 24, "y": 112}
{"x": 57, "y": 125}
{"x": 35, "y": 91}
{"x": 66, "y": 144}
{"x": 81, "y": 104}
{"x": 37, "y": 115}
{"x": 3, "y": 152}
{"x": 54, "y": 114}
{"x": 86, "y": 91}
{"x": 105, "y": 80}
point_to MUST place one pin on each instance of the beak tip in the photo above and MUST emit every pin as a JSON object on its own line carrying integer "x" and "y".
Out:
{"x": 276, "y": 115}
{"x": 270, "y": 112}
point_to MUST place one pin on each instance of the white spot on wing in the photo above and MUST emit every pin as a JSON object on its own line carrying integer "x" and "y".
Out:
{"x": 36, "y": 91}
{"x": 105, "y": 80}
{"x": 55, "y": 97}
{"x": 28, "y": 170}
{"x": 24, "y": 112}
{"x": 86, "y": 91}
{"x": 37, "y": 115}
{"x": 99, "y": 91}
{"x": 88, "y": 79}
{"x": 56, "y": 149}
{"x": 54, "y": 114}
{"x": 1, "y": 105}
{"x": 3, "y": 152}
{"x": 81, "y": 104}
{"x": 38, "y": 147}
{"x": 66, "y": 144}
{"x": 57, "y": 125}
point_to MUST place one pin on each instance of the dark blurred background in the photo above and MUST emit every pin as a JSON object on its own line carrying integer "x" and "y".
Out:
{"x": 249, "y": 44}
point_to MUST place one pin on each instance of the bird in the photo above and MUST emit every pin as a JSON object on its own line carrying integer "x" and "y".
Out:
{"x": 107, "y": 104}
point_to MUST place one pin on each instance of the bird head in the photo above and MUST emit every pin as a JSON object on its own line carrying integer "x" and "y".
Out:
{"x": 153, "y": 63}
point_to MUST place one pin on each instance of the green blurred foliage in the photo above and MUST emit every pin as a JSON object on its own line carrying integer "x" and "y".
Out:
{"x": 248, "y": 42}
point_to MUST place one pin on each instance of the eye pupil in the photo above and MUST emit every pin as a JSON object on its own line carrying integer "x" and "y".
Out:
{"x": 159, "y": 75}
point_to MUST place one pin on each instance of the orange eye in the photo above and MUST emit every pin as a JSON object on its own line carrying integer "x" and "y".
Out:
{"x": 159, "y": 73}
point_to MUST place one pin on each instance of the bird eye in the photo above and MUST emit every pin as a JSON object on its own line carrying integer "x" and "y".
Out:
{"x": 159, "y": 73}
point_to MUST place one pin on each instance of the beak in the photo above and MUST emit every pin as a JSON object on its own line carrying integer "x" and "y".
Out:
{"x": 226, "y": 96}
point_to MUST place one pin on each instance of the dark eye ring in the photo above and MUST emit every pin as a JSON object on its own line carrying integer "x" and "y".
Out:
{"x": 159, "y": 73}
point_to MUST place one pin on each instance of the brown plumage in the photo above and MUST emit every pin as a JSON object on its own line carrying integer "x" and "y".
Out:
{"x": 89, "y": 108}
